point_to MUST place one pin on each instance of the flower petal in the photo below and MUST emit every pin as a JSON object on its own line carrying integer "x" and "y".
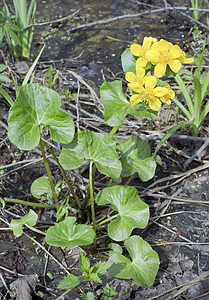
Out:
{"x": 130, "y": 76}
{"x": 150, "y": 82}
{"x": 186, "y": 60}
{"x": 135, "y": 99}
{"x": 175, "y": 65}
{"x": 141, "y": 62}
{"x": 140, "y": 72}
{"x": 147, "y": 42}
{"x": 155, "y": 105}
{"x": 152, "y": 56}
{"x": 160, "y": 69}
{"x": 176, "y": 51}
{"x": 135, "y": 86}
{"x": 160, "y": 91}
{"x": 136, "y": 50}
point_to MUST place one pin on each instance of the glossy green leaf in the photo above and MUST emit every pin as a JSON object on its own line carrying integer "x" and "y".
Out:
{"x": 66, "y": 234}
{"x": 95, "y": 147}
{"x": 37, "y": 107}
{"x": 128, "y": 61}
{"x": 137, "y": 158}
{"x": 132, "y": 211}
{"x": 89, "y": 296}
{"x": 29, "y": 219}
{"x": 117, "y": 107}
{"x": 69, "y": 282}
{"x": 143, "y": 265}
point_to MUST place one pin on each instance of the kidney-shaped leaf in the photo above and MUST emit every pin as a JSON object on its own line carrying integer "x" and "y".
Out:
{"x": 142, "y": 267}
{"x": 95, "y": 147}
{"x": 137, "y": 157}
{"x": 117, "y": 107}
{"x": 66, "y": 234}
{"x": 132, "y": 212}
{"x": 37, "y": 107}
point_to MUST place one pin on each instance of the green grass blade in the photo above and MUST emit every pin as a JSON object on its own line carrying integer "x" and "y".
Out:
{"x": 26, "y": 79}
{"x": 6, "y": 96}
{"x": 170, "y": 132}
{"x": 197, "y": 100}
{"x": 185, "y": 92}
{"x": 205, "y": 86}
{"x": 204, "y": 112}
{"x": 183, "y": 108}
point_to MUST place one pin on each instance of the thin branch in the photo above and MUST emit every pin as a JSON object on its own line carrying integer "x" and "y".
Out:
{"x": 158, "y": 10}
{"x": 62, "y": 20}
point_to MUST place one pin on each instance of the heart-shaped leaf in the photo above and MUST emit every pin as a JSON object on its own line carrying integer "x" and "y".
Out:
{"x": 29, "y": 219}
{"x": 137, "y": 158}
{"x": 66, "y": 234}
{"x": 95, "y": 147}
{"x": 37, "y": 107}
{"x": 117, "y": 107}
{"x": 142, "y": 267}
{"x": 132, "y": 211}
{"x": 41, "y": 188}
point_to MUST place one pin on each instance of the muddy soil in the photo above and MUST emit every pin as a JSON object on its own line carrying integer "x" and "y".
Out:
{"x": 178, "y": 196}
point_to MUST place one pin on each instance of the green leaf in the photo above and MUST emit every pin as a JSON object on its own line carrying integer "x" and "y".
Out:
{"x": 84, "y": 263}
{"x": 137, "y": 157}
{"x": 128, "y": 61}
{"x": 29, "y": 219}
{"x": 95, "y": 147}
{"x": 69, "y": 282}
{"x": 40, "y": 187}
{"x": 94, "y": 277}
{"x": 108, "y": 291}
{"x": 37, "y": 107}
{"x": 101, "y": 267}
{"x": 142, "y": 267}
{"x": 3, "y": 67}
{"x": 89, "y": 296}
{"x": 4, "y": 78}
{"x": 63, "y": 209}
{"x": 117, "y": 107}
{"x": 132, "y": 212}
{"x": 66, "y": 234}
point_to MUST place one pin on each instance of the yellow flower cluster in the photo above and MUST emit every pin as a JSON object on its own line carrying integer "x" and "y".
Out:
{"x": 160, "y": 54}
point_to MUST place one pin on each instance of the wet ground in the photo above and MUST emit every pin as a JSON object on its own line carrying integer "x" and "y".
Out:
{"x": 178, "y": 196}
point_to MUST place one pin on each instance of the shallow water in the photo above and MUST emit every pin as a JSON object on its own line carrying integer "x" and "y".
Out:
{"x": 92, "y": 45}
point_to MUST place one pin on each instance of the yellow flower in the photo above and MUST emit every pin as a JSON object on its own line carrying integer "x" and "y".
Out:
{"x": 167, "y": 97}
{"x": 139, "y": 77}
{"x": 148, "y": 94}
{"x": 164, "y": 53}
{"x": 138, "y": 50}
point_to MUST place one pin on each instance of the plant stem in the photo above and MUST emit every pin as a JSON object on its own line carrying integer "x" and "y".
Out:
{"x": 70, "y": 185}
{"x": 113, "y": 131}
{"x": 49, "y": 175}
{"x": 29, "y": 203}
{"x": 91, "y": 187}
{"x": 107, "y": 220}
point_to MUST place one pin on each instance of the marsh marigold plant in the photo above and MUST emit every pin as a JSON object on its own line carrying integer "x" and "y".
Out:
{"x": 160, "y": 56}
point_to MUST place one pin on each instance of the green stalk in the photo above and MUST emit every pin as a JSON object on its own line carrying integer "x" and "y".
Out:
{"x": 70, "y": 185}
{"x": 92, "y": 196}
{"x": 29, "y": 203}
{"x": 113, "y": 131}
{"x": 106, "y": 220}
{"x": 49, "y": 175}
